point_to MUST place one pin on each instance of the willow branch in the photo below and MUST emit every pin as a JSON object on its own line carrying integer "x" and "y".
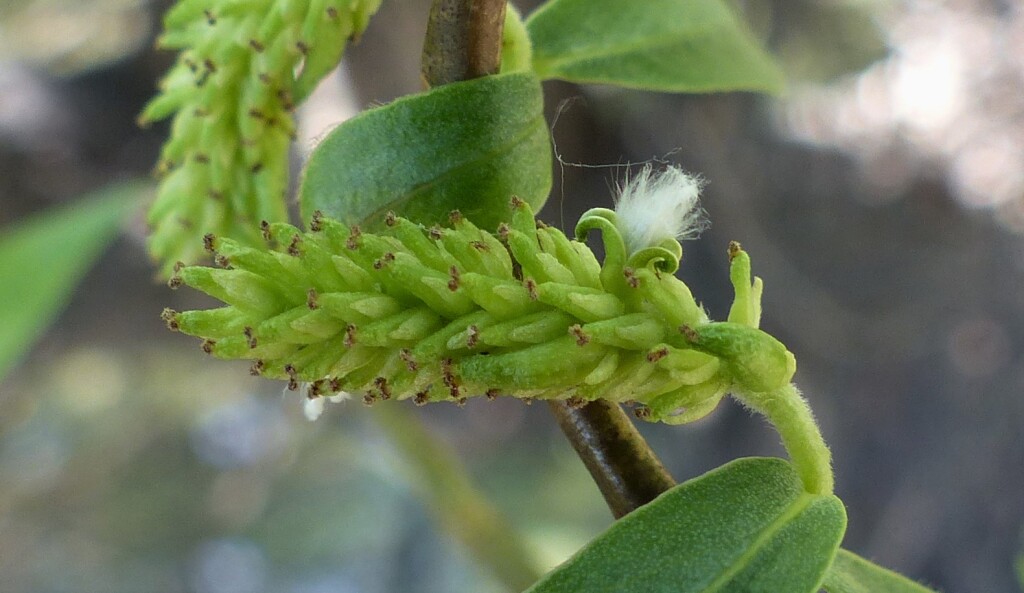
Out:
{"x": 463, "y": 40}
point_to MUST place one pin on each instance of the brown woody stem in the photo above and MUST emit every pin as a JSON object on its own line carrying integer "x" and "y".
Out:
{"x": 463, "y": 40}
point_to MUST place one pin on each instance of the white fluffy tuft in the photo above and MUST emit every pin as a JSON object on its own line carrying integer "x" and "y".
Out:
{"x": 654, "y": 206}
{"x": 314, "y": 407}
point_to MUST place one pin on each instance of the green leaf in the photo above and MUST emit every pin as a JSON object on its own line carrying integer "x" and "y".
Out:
{"x": 850, "y": 573}
{"x": 469, "y": 146}
{"x": 746, "y": 527}
{"x": 664, "y": 45}
{"x": 43, "y": 258}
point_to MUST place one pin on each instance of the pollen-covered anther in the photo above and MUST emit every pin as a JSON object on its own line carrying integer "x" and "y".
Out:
{"x": 642, "y": 412}
{"x": 421, "y": 398}
{"x": 315, "y": 389}
{"x": 334, "y": 384}
{"x": 472, "y": 336}
{"x": 517, "y": 202}
{"x": 540, "y": 223}
{"x": 734, "y": 249}
{"x": 293, "y": 246}
{"x": 434, "y": 233}
{"x": 575, "y": 402}
{"x": 381, "y": 383}
{"x": 316, "y": 224}
{"x": 257, "y": 367}
{"x": 354, "y": 238}
{"x": 384, "y": 260}
{"x": 410, "y": 363}
{"x": 453, "y": 283}
{"x": 461, "y": 402}
{"x": 656, "y": 355}
{"x": 390, "y": 218}
{"x": 631, "y": 278}
{"x": 531, "y": 289}
{"x": 265, "y": 231}
{"x": 491, "y": 394}
{"x": 311, "y": 298}
{"x": 208, "y": 345}
{"x": 503, "y": 231}
{"x": 528, "y": 401}
{"x": 170, "y": 317}
{"x": 455, "y": 217}
{"x": 350, "y": 336}
{"x": 222, "y": 261}
{"x": 250, "y": 337}
{"x": 208, "y": 240}
{"x": 369, "y": 399}
{"x": 689, "y": 333}
{"x": 576, "y": 331}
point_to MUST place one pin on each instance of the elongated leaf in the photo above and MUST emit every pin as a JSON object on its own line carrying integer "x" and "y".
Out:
{"x": 850, "y": 573}
{"x": 666, "y": 45}
{"x": 747, "y": 527}
{"x": 42, "y": 259}
{"x": 469, "y": 146}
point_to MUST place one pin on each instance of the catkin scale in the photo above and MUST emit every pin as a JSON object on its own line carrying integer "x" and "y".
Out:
{"x": 445, "y": 314}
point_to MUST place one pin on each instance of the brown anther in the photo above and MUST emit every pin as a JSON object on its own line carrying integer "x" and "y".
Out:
{"x": 201, "y": 158}
{"x": 170, "y": 317}
{"x": 492, "y": 394}
{"x": 642, "y": 412}
{"x": 250, "y": 337}
{"x": 208, "y": 345}
{"x": 503, "y": 231}
{"x": 734, "y": 249}
{"x": 656, "y": 355}
{"x": 185, "y": 223}
{"x": 209, "y": 65}
{"x": 315, "y": 390}
{"x": 410, "y": 363}
{"x": 222, "y": 261}
{"x": 215, "y": 195}
{"x": 575, "y": 402}
{"x": 332, "y": 13}
{"x": 461, "y": 402}
{"x": 576, "y": 331}
{"x": 689, "y": 333}
{"x": 631, "y": 278}
{"x": 316, "y": 224}
{"x": 434, "y": 232}
{"x": 302, "y": 46}
{"x": 528, "y": 401}
{"x": 390, "y": 218}
{"x": 290, "y": 370}
{"x": 256, "y": 114}
{"x": 257, "y": 367}
{"x": 311, "y": 297}
{"x": 293, "y": 246}
{"x": 472, "y": 336}
{"x": 256, "y": 45}
{"x": 256, "y": 168}
{"x": 286, "y": 100}
{"x": 479, "y": 246}
{"x": 210, "y": 19}
{"x": 455, "y": 217}
{"x": 265, "y": 79}
{"x": 350, "y": 336}
{"x": 384, "y": 260}
{"x": 540, "y": 224}
{"x": 200, "y": 112}
{"x": 208, "y": 241}
{"x": 175, "y": 280}
{"x": 421, "y": 398}
{"x": 335, "y": 384}
{"x": 531, "y": 289}
{"x": 369, "y": 399}
{"x": 381, "y": 383}
{"x": 354, "y": 238}
{"x": 293, "y": 384}
{"x": 453, "y": 283}
{"x": 265, "y": 230}
{"x": 517, "y": 202}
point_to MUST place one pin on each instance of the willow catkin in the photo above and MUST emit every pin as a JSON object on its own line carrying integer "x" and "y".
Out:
{"x": 243, "y": 67}
{"x": 443, "y": 314}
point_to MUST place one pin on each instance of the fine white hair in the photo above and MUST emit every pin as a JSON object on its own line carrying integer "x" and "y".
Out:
{"x": 313, "y": 407}
{"x": 658, "y": 205}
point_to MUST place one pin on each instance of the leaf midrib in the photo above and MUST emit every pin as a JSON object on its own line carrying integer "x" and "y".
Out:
{"x": 764, "y": 536}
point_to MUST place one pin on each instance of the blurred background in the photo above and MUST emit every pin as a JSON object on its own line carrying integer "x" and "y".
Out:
{"x": 882, "y": 199}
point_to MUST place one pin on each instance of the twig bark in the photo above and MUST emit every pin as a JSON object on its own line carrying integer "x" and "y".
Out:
{"x": 626, "y": 470}
{"x": 463, "y": 42}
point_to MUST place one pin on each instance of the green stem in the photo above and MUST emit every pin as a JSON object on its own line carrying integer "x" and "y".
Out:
{"x": 460, "y": 509}
{"x": 787, "y": 410}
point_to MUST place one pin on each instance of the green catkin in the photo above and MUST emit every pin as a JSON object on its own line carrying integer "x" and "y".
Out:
{"x": 444, "y": 314}
{"x": 243, "y": 67}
